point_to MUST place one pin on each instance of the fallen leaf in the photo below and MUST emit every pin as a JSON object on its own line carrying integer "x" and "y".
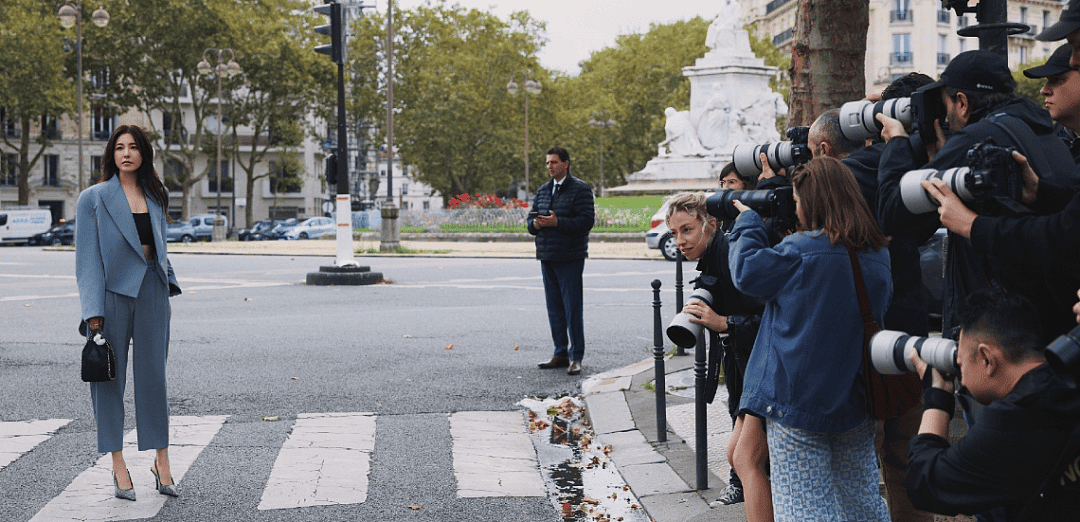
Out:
{"x": 626, "y": 488}
{"x": 407, "y": 336}
{"x": 415, "y": 507}
{"x": 635, "y": 506}
{"x": 247, "y": 298}
{"x": 516, "y": 347}
{"x": 532, "y": 415}
{"x": 608, "y": 449}
{"x": 567, "y": 510}
{"x": 295, "y": 378}
{"x": 449, "y": 347}
{"x": 275, "y": 418}
{"x": 592, "y": 501}
{"x": 614, "y": 496}
{"x": 27, "y": 305}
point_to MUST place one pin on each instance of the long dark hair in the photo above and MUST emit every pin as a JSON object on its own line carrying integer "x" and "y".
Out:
{"x": 831, "y": 201}
{"x": 146, "y": 177}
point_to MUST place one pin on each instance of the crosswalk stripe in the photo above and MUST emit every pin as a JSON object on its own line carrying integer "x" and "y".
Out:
{"x": 494, "y": 456}
{"x": 17, "y": 438}
{"x": 89, "y": 497}
{"x": 325, "y": 461}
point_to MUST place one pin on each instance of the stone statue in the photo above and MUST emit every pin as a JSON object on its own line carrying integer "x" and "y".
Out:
{"x": 717, "y": 126}
{"x": 721, "y": 33}
{"x": 681, "y": 136}
{"x": 759, "y": 119}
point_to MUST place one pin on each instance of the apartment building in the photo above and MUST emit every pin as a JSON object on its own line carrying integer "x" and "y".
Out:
{"x": 914, "y": 35}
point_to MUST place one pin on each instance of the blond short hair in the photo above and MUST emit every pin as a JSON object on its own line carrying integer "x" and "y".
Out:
{"x": 692, "y": 203}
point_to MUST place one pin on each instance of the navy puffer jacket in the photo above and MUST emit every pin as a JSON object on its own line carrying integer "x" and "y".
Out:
{"x": 569, "y": 241}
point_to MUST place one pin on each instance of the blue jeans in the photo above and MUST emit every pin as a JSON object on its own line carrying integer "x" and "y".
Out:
{"x": 563, "y": 289}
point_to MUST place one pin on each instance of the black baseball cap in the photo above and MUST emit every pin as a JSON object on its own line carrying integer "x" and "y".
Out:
{"x": 1069, "y": 22}
{"x": 1057, "y": 63}
{"x": 979, "y": 70}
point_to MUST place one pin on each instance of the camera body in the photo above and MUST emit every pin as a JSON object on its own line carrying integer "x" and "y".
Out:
{"x": 777, "y": 203}
{"x": 681, "y": 331}
{"x": 1063, "y": 354}
{"x": 890, "y": 351}
{"x": 990, "y": 185}
{"x": 780, "y": 155}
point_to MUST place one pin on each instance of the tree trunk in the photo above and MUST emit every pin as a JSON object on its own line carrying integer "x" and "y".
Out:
{"x": 828, "y": 57}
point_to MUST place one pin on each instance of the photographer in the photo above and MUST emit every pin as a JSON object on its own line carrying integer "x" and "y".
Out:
{"x": 1061, "y": 95}
{"x": 699, "y": 238}
{"x": 801, "y": 378}
{"x": 1005, "y": 457}
{"x": 976, "y": 90}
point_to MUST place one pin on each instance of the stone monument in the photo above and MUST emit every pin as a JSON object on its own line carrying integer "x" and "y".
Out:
{"x": 730, "y": 103}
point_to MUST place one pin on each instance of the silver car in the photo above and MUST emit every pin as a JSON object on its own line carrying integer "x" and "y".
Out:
{"x": 659, "y": 236}
{"x": 312, "y": 228}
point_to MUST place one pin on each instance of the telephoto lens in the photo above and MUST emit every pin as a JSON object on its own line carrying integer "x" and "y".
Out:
{"x": 681, "y": 331}
{"x": 967, "y": 186}
{"x": 858, "y": 119}
{"x": 890, "y": 352}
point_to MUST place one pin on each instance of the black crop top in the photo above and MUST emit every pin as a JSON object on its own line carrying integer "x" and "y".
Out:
{"x": 145, "y": 229}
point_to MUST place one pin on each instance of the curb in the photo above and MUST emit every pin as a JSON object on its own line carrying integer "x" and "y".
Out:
{"x": 661, "y": 474}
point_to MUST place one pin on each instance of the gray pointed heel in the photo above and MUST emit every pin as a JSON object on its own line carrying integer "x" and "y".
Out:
{"x": 126, "y": 494}
{"x": 171, "y": 490}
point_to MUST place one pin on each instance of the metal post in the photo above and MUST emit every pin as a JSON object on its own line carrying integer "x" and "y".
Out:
{"x": 78, "y": 83}
{"x": 390, "y": 237}
{"x": 526, "y": 94}
{"x": 701, "y": 434}
{"x": 343, "y": 215}
{"x": 679, "y": 293}
{"x": 658, "y": 360}
{"x": 219, "y": 227}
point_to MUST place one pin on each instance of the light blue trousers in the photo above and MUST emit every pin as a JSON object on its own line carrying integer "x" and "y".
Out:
{"x": 142, "y": 323}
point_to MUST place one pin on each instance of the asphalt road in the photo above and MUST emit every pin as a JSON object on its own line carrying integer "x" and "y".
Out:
{"x": 251, "y": 340}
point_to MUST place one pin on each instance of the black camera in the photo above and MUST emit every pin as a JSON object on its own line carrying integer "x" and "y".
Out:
{"x": 1064, "y": 356}
{"x": 858, "y": 119}
{"x": 926, "y": 106}
{"x": 780, "y": 155}
{"x": 777, "y": 203}
{"x": 990, "y": 185}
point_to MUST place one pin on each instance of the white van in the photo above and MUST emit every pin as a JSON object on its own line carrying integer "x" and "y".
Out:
{"x": 16, "y": 226}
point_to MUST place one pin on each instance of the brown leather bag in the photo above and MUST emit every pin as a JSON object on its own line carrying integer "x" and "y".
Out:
{"x": 887, "y": 396}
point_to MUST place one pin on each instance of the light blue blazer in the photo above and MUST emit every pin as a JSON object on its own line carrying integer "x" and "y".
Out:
{"x": 108, "y": 253}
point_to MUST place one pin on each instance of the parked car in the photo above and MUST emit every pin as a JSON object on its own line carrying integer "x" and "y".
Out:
{"x": 260, "y": 231}
{"x": 180, "y": 231}
{"x": 63, "y": 234}
{"x": 204, "y": 226}
{"x": 312, "y": 228}
{"x": 278, "y": 232}
{"x": 659, "y": 236}
{"x": 18, "y": 226}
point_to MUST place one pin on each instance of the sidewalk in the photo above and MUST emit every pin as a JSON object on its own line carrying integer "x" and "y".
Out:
{"x": 663, "y": 475}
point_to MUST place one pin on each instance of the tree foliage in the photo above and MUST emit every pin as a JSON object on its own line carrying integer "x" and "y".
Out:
{"x": 33, "y": 81}
{"x": 1029, "y": 87}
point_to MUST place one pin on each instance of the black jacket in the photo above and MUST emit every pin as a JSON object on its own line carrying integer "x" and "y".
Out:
{"x": 968, "y": 270}
{"x": 1004, "y": 458}
{"x": 908, "y": 310}
{"x": 574, "y": 207}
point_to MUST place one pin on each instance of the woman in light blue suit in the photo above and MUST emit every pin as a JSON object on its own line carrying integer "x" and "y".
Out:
{"x": 125, "y": 281}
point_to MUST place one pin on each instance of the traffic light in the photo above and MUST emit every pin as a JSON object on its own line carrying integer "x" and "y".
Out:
{"x": 336, "y": 31}
{"x": 331, "y": 170}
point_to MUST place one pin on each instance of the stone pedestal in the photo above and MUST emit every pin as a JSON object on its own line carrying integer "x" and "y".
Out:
{"x": 390, "y": 239}
{"x": 349, "y": 275}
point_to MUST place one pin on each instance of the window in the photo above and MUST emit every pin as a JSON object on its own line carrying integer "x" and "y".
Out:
{"x": 95, "y": 167}
{"x": 101, "y": 79}
{"x": 50, "y": 129}
{"x": 1023, "y": 15}
{"x": 427, "y": 205}
{"x": 283, "y": 180}
{"x": 51, "y": 164}
{"x": 943, "y": 16}
{"x": 8, "y": 123}
{"x": 1046, "y": 19}
{"x": 404, "y": 189}
{"x": 963, "y": 45}
{"x": 9, "y": 170}
{"x": 901, "y": 12}
{"x": 103, "y": 124}
{"x": 226, "y": 178}
{"x": 173, "y": 130}
{"x": 942, "y": 50}
{"x": 784, "y": 36}
{"x": 1023, "y": 54}
{"x": 901, "y": 49}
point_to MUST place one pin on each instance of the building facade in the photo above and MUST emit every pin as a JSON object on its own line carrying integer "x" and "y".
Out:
{"x": 914, "y": 35}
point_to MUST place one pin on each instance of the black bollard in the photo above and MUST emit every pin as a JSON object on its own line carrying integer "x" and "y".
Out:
{"x": 658, "y": 358}
{"x": 701, "y": 434}
{"x": 678, "y": 293}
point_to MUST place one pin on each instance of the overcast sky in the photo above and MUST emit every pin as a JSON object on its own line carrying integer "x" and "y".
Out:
{"x": 576, "y": 28}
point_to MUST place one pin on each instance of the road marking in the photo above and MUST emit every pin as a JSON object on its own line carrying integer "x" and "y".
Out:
{"x": 325, "y": 461}
{"x": 17, "y": 438}
{"x": 494, "y": 456}
{"x": 90, "y": 496}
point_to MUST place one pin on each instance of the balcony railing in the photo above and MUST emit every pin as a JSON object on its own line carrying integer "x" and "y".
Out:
{"x": 943, "y": 16}
{"x": 900, "y": 58}
{"x": 774, "y": 5}
{"x": 904, "y": 16}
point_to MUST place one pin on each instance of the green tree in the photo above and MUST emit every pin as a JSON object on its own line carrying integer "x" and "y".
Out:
{"x": 33, "y": 83}
{"x": 1029, "y": 87}
{"x": 455, "y": 121}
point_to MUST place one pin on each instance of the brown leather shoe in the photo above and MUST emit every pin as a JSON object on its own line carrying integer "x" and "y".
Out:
{"x": 574, "y": 369}
{"x": 557, "y": 361}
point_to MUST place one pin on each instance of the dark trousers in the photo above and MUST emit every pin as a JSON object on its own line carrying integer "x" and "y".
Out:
{"x": 562, "y": 289}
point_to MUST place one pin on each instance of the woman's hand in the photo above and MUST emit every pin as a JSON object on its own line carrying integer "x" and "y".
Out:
{"x": 704, "y": 315}
{"x": 95, "y": 323}
{"x": 738, "y": 205}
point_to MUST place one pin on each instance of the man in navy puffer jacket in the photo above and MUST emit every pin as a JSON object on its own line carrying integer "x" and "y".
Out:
{"x": 561, "y": 217}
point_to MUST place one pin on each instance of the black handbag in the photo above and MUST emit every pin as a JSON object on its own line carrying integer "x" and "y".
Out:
{"x": 98, "y": 359}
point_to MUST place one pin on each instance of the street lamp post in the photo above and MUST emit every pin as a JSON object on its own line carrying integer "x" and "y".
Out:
{"x": 531, "y": 87}
{"x": 72, "y": 15}
{"x": 229, "y": 69}
{"x": 600, "y": 123}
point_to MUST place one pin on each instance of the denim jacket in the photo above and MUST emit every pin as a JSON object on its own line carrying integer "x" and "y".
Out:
{"x": 803, "y": 370}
